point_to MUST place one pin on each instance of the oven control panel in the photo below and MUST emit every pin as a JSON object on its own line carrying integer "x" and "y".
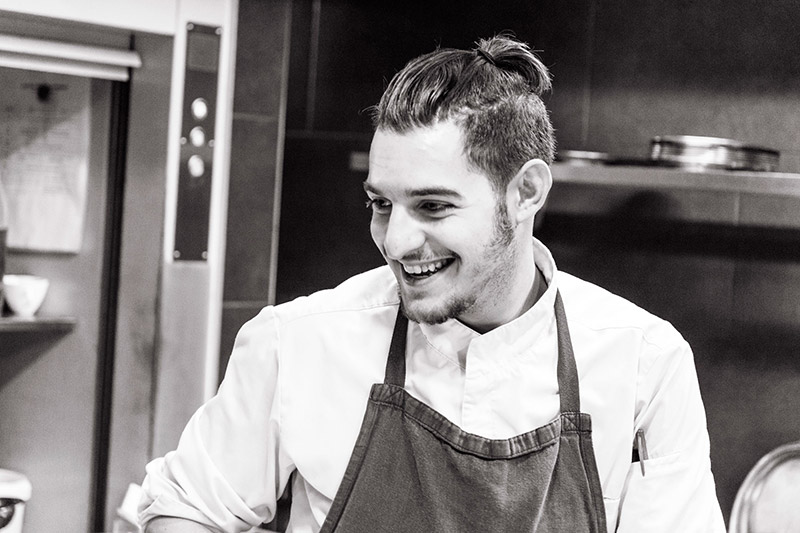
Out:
{"x": 197, "y": 143}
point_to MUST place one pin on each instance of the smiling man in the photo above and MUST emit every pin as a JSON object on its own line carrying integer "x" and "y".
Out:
{"x": 468, "y": 385}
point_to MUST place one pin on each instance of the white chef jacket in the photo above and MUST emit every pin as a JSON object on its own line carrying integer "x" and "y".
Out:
{"x": 297, "y": 385}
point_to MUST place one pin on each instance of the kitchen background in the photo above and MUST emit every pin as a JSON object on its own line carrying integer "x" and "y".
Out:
{"x": 623, "y": 72}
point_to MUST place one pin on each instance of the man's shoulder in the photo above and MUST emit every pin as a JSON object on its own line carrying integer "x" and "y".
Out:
{"x": 599, "y": 309}
{"x": 364, "y": 292}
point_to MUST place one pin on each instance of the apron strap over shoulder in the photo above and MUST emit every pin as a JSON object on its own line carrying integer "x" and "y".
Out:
{"x": 396, "y": 365}
{"x": 567, "y": 370}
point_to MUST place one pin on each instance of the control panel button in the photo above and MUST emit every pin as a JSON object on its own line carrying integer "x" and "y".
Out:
{"x": 196, "y": 166}
{"x": 198, "y": 136}
{"x": 199, "y": 108}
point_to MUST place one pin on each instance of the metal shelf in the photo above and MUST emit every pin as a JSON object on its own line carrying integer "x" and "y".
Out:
{"x": 44, "y": 324}
{"x": 761, "y": 183}
{"x": 728, "y": 198}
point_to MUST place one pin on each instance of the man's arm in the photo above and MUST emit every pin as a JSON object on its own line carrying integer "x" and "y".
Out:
{"x": 209, "y": 478}
{"x": 673, "y": 488}
{"x": 168, "y": 524}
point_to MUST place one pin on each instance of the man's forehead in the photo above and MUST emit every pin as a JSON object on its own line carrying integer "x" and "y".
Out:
{"x": 440, "y": 144}
{"x": 427, "y": 161}
{"x": 432, "y": 134}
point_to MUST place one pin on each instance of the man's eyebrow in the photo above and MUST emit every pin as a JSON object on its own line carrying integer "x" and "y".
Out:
{"x": 435, "y": 191}
{"x": 426, "y": 191}
{"x": 369, "y": 188}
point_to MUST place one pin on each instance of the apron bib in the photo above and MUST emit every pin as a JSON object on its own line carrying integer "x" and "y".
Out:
{"x": 412, "y": 470}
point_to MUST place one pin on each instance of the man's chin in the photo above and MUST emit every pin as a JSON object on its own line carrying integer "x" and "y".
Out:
{"x": 425, "y": 318}
{"x": 416, "y": 312}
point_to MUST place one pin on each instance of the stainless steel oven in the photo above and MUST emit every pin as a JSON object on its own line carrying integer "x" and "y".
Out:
{"x": 135, "y": 259}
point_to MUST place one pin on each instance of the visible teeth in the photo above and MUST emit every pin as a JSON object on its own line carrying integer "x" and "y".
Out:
{"x": 427, "y": 268}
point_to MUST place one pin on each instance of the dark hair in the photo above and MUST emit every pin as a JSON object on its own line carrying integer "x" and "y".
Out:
{"x": 492, "y": 92}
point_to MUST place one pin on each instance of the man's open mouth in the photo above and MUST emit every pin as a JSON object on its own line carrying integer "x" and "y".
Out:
{"x": 425, "y": 270}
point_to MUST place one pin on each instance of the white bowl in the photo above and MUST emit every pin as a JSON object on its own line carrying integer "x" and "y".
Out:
{"x": 24, "y": 293}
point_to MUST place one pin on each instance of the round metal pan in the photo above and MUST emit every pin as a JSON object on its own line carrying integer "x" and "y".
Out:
{"x": 696, "y": 152}
{"x": 582, "y": 157}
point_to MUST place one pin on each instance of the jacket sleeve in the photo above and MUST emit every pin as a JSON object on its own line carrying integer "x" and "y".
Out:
{"x": 676, "y": 491}
{"x": 228, "y": 469}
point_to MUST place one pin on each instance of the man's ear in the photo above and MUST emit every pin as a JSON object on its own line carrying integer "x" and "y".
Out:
{"x": 528, "y": 190}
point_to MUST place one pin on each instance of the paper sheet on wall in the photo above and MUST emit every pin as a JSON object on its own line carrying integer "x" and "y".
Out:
{"x": 44, "y": 155}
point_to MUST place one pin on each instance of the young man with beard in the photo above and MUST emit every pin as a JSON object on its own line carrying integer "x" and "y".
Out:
{"x": 466, "y": 386}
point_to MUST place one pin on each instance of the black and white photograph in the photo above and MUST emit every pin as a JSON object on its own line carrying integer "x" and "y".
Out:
{"x": 340, "y": 266}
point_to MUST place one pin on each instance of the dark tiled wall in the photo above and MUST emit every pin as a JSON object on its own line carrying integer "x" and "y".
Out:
{"x": 256, "y": 156}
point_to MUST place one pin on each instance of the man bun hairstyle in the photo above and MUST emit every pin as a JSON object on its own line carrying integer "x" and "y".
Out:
{"x": 493, "y": 92}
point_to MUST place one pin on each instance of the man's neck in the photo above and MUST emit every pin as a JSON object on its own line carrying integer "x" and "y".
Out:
{"x": 511, "y": 311}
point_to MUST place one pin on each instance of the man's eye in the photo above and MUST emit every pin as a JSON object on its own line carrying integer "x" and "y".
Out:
{"x": 378, "y": 205}
{"x": 435, "y": 207}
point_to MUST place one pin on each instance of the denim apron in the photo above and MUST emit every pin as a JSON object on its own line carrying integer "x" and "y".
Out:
{"x": 412, "y": 470}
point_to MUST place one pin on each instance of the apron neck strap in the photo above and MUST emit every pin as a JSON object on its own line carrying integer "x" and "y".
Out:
{"x": 396, "y": 365}
{"x": 567, "y": 371}
{"x": 568, "y": 388}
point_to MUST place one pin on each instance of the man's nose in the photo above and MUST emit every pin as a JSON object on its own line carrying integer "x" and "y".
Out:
{"x": 403, "y": 236}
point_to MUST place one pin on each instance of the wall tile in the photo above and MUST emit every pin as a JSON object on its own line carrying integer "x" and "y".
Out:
{"x": 563, "y": 31}
{"x": 691, "y": 289}
{"x": 259, "y": 56}
{"x": 297, "y": 94}
{"x": 694, "y": 292}
{"x": 362, "y": 46}
{"x": 324, "y": 232}
{"x": 770, "y": 211}
{"x": 767, "y": 295}
{"x": 644, "y": 203}
{"x": 251, "y": 199}
{"x": 751, "y": 408}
